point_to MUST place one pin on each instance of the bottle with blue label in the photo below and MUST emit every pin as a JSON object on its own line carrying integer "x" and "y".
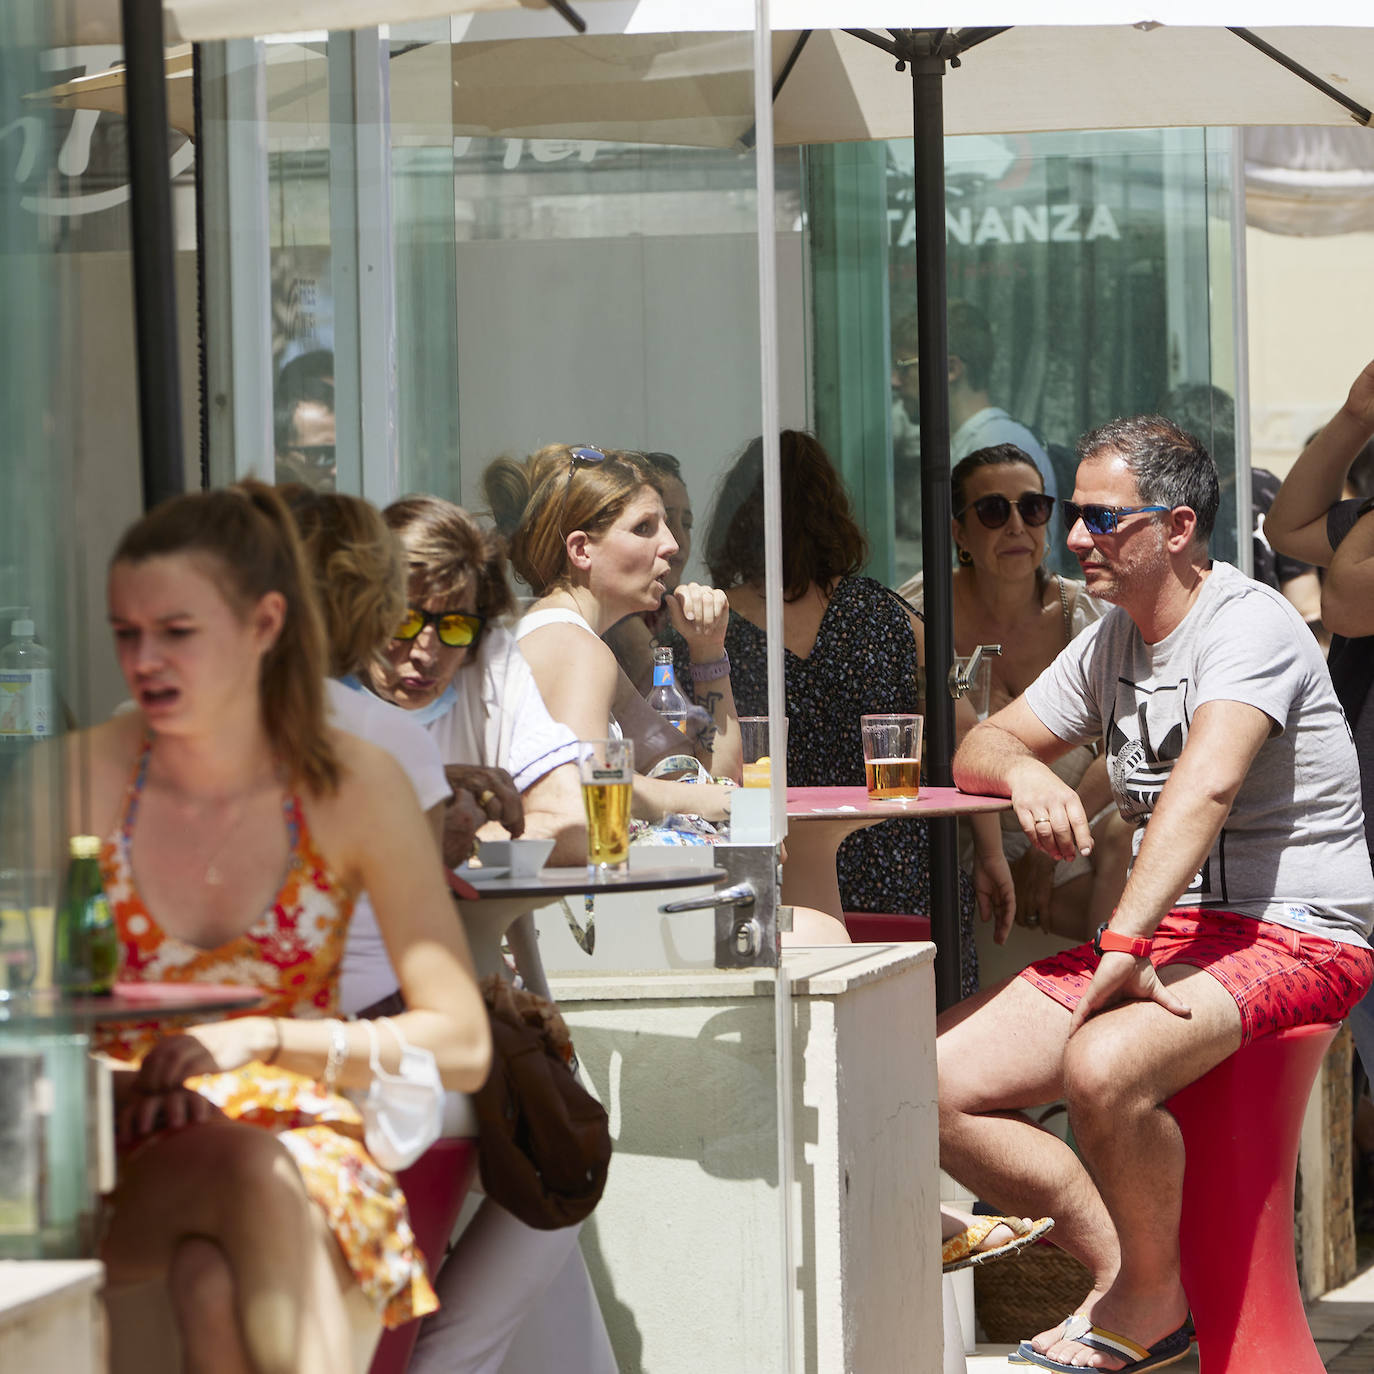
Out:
{"x": 26, "y": 696}
{"x": 665, "y": 696}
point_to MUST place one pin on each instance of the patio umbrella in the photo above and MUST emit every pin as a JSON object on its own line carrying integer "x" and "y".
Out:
{"x": 666, "y": 71}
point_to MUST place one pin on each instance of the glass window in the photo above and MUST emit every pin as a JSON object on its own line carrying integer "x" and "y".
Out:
{"x": 302, "y": 325}
{"x": 38, "y": 533}
{"x": 1088, "y": 277}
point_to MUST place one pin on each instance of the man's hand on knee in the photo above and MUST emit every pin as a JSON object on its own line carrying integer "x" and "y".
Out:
{"x": 1124, "y": 978}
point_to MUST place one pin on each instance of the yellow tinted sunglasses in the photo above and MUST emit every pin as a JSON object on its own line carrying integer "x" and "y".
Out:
{"x": 456, "y": 629}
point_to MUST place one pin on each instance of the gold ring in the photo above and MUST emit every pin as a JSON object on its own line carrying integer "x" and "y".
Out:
{"x": 487, "y": 795}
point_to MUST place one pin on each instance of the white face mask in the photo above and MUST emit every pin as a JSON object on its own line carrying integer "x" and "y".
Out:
{"x": 403, "y": 1111}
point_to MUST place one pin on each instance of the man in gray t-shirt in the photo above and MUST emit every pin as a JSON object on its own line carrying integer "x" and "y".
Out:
{"x": 1245, "y": 911}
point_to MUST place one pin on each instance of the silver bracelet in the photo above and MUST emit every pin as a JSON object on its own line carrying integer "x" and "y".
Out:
{"x": 338, "y": 1053}
{"x": 708, "y": 672}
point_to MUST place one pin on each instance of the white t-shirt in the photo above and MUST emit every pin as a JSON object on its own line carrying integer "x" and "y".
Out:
{"x": 367, "y": 974}
{"x": 499, "y": 718}
{"x": 1292, "y": 850}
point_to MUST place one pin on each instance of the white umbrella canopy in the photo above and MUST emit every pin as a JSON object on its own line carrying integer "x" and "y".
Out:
{"x": 690, "y": 87}
{"x": 674, "y": 71}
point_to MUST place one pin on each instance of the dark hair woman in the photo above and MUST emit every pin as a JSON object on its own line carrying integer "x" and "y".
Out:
{"x": 240, "y": 828}
{"x": 851, "y": 647}
{"x": 1004, "y": 595}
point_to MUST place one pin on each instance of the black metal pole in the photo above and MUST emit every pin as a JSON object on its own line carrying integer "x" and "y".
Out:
{"x": 927, "y": 76}
{"x": 155, "y": 316}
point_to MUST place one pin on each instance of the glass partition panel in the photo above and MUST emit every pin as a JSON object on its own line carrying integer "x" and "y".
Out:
{"x": 298, "y": 145}
{"x": 1090, "y": 276}
{"x": 571, "y": 273}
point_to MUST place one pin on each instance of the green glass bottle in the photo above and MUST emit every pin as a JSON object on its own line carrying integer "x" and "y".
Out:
{"x": 85, "y": 941}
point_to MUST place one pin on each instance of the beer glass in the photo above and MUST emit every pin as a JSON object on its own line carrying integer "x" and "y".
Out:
{"x": 606, "y": 767}
{"x": 892, "y": 756}
{"x": 758, "y": 765}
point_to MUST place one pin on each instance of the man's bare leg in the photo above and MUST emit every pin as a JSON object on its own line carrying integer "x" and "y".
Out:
{"x": 1119, "y": 1069}
{"x": 999, "y": 1053}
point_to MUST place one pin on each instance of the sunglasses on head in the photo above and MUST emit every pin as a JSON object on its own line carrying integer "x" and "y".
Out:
{"x": 588, "y": 457}
{"x": 456, "y": 629}
{"x": 1101, "y": 519}
{"x": 994, "y": 511}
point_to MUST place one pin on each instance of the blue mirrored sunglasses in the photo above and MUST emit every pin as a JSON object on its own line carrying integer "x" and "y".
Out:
{"x": 588, "y": 457}
{"x": 1101, "y": 519}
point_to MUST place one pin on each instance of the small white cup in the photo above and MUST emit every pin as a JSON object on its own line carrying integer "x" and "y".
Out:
{"x": 524, "y": 858}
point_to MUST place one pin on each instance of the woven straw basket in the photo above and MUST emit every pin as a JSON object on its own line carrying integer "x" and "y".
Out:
{"x": 1023, "y": 1294}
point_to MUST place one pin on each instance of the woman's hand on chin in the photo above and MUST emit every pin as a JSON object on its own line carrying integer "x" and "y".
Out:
{"x": 701, "y": 615}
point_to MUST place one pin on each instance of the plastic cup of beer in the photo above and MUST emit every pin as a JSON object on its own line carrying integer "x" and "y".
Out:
{"x": 607, "y": 769}
{"x": 758, "y": 762}
{"x": 892, "y": 756}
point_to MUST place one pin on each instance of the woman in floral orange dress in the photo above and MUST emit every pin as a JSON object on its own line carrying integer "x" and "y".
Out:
{"x": 240, "y": 830}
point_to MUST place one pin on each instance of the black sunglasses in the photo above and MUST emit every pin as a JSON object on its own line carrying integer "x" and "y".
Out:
{"x": 315, "y": 455}
{"x": 994, "y": 511}
{"x": 456, "y": 629}
{"x": 1100, "y": 519}
{"x": 589, "y": 457}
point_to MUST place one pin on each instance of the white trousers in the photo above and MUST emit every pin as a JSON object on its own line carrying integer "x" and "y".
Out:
{"x": 514, "y": 1300}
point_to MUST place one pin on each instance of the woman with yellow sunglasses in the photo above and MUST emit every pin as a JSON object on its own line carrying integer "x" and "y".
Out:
{"x": 454, "y": 666}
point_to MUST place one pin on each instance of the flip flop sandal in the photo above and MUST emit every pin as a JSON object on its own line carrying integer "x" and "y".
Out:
{"x": 1168, "y": 1350}
{"x": 1016, "y": 1357}
{"x": 960, "y": 1251}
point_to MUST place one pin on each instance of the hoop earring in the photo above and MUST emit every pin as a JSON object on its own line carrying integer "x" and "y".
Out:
{"x": 965, "y": 557}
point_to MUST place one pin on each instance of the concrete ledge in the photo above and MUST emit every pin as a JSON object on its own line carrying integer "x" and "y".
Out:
{"x": 824, "y": 971}
{"x": 50, "y": 1316}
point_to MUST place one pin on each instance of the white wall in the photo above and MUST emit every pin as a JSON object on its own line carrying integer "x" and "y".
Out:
{"x": 645, "y": 342}
{"x": 1311, "y": 307}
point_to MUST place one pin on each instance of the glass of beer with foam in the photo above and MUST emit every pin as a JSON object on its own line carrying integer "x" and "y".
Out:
{"x": 892, "y": 756}
{"x": 607, "y": 769}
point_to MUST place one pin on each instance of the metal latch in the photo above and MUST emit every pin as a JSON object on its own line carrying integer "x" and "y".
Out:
{"x": 961, "y": 675}
{"x": 748, "y": 917}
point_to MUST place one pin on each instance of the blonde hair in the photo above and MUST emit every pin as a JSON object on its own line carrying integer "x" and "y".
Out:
{"x": 538, "y": 503}
{"x": 359, "y": 572}
{"x": 250, "y": 541}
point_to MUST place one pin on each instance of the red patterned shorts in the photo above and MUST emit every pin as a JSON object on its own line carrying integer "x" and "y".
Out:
{"x": 1279, "y": 977}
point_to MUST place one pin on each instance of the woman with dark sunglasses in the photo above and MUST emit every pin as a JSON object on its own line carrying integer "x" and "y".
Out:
{"x": 1003, "y": 594}
{"x": 453, "y": 663}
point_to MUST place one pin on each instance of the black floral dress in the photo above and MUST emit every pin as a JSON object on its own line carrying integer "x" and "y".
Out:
{"x": 864, "y": 660}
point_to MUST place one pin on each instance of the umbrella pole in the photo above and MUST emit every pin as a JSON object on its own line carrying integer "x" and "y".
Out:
{"x": 159, "y": 383}
{"x": 927, "y": 76}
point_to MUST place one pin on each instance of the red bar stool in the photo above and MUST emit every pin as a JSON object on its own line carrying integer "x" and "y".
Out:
{"x": 435, "y": 1186}
{"x": 885, "y": 927}
{"x": 1241, "y": 1124}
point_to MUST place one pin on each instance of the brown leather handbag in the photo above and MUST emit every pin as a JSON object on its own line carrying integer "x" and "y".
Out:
{"x": 545, "y": 1142}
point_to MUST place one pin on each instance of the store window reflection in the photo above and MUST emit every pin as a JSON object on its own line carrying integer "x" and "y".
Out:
{"x": 298, "y": 178}
{"x": 37, "y": 536}
{"x": 1089, "y": 277}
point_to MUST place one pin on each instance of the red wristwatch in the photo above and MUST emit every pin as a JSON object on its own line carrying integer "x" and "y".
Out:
{"x": 1135, "y": 945}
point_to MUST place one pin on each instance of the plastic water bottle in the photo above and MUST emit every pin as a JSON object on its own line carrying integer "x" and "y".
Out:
{"x": 26, "y": 699}
{"x": 665, "y": 696}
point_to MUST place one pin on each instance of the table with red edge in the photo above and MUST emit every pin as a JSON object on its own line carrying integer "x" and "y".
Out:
{"x": 130, "y": 1002}
{"x": 819, "y": 819}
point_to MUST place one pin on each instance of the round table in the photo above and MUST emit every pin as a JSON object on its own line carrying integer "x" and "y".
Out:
{"x": 819, "y": 819}
{"x": 128, "y": 1002}
{"x": 504, "y": 907}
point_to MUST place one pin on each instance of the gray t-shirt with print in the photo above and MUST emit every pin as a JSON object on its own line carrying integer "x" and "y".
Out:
{"x": 1292, "y": 850}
